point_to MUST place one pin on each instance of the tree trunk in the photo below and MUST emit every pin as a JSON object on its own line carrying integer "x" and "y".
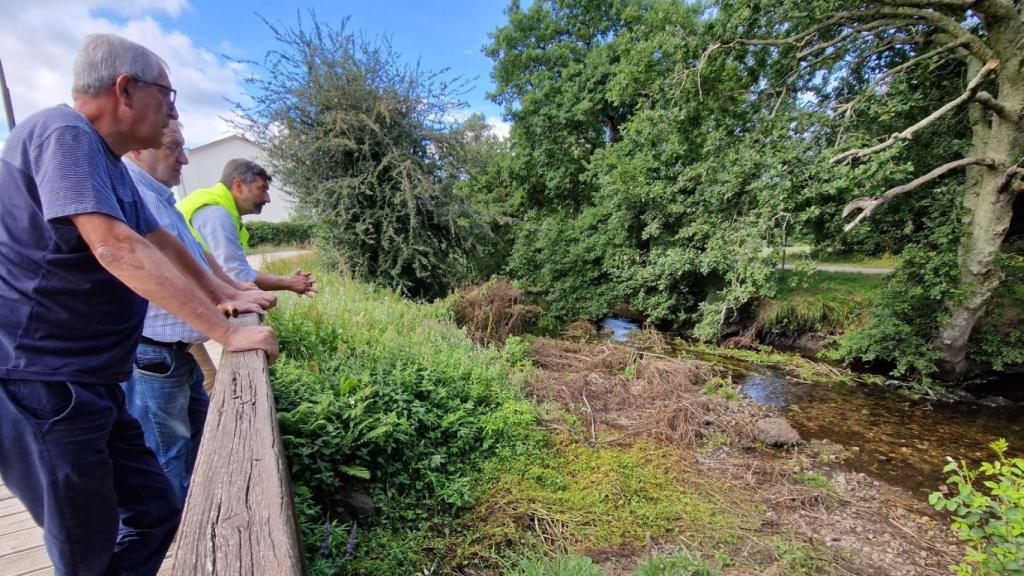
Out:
{"x": 988, "y": 204}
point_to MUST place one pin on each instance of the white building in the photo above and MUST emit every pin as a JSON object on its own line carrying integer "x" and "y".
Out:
{"x": 206, "y": 162}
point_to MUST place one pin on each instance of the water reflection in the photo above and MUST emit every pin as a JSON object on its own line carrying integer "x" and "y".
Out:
{"x": 765, "y": 389}
{"x": 619, "y": 326}
{"x": 899, "y": 440}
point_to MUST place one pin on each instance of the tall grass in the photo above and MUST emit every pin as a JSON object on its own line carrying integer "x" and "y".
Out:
{"x": 819, "y": 302}
{"x": 373, "y": 387}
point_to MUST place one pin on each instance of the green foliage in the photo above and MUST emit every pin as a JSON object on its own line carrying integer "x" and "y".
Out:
{"x": 582, "y": 498}
{"x": 362, "y": 142}
{"x": 371, "y": 386}
{"x": 905, "y": 316}
{"x": 680, "y": 563}
{"x": 987, "y": 504}
{"x": 279, "y": 233}
{"x": 722, "y": 387}
{"x": 558, "y": 566}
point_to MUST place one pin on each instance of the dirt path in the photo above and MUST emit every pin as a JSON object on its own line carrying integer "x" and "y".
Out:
{"x": 846, "y": 268}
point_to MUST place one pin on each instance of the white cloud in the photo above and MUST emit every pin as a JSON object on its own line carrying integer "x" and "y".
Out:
{"x": 499, "y": 127}
{"x": 39, "y": 40}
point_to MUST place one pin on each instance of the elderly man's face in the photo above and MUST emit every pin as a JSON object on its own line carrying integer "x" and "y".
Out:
{"x": 153, "y": 109}
{"x": 164, "y": 164}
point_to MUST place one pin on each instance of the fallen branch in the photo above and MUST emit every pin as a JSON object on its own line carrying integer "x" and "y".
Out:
{"x": 593, "y": 420}
{"x": 867, "y": 205}
{"x": 907, "y": 134}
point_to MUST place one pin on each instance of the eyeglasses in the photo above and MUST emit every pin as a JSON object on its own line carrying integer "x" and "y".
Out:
{"x": 170, "y": 94}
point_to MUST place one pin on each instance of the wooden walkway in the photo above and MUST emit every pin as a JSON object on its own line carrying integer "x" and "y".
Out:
{"x": 21, "y": 542}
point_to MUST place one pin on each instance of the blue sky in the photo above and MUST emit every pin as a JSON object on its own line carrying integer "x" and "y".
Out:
{"x": 194, "y": 36}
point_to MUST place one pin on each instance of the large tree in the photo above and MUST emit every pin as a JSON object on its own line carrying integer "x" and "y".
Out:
{"x": 832, "y": 45}
{"x": 363, "y": 141}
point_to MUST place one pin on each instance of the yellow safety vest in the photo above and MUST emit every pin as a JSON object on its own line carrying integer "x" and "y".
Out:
{"x": 218, "y": 195}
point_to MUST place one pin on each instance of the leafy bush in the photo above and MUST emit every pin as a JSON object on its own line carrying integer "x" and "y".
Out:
{"x": 373, "y": 387}
{"x": 989, "y": 518}
{"x": 279, "y": 233}
{"x": 359, "y": 138}
{"x": 905, "y": 316}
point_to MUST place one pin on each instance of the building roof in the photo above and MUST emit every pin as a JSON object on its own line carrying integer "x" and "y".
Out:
{"x": 223, "y": 140}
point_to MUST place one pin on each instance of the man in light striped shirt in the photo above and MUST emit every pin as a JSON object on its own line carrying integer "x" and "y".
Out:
{"x": 165, "y": 392}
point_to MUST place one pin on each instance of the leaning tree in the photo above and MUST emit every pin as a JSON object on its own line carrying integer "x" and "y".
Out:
{"x": 823, "y": 42}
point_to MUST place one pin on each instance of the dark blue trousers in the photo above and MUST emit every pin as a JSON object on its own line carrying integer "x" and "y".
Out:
{"x": 78, "y": 461}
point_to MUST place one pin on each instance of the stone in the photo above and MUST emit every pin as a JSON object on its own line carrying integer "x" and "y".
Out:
{"x": 357, "y": 502}
{"x": 776, "y": 432}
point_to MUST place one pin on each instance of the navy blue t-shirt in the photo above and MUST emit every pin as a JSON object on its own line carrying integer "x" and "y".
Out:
{"x": 63, "y": 317}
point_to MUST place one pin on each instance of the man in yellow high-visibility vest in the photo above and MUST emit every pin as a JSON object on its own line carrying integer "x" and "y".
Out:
{"x": 214, "y": 216}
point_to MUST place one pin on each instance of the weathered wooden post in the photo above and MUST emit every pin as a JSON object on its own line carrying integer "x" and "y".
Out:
{"x": 240, "y": 515}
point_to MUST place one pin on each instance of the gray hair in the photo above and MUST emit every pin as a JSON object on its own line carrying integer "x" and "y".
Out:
{"x": 244, "y": 170}
{"x": 104, "y": 57}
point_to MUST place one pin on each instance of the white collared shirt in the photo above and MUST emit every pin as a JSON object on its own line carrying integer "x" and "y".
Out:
{"x": 160, "y": 324}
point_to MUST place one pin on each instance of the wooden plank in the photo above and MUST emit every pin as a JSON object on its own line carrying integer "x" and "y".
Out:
{"x": 239, "y": 514}
{"x": 5, "y": 493}
{"x": 16, "y": 522}
{"x": 24, "y": 539}
{"x": 25, "y": 562}
{"x": 10, "y": 507}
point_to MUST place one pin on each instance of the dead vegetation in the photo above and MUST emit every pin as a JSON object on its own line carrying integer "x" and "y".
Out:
{"x": 494, "y": 311}
{"x": 621, "y": 392}
{"x": 848, "y": 522}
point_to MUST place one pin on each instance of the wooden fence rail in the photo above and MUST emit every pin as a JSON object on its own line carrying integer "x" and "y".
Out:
{"x": 239, "y": 514}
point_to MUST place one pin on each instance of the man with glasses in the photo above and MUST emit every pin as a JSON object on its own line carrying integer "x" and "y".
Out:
{"x": 79, "y": 256}
{"x": 165, "y": 392}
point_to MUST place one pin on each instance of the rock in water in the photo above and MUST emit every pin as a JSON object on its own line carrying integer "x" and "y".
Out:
{"x": 776, "y": 432}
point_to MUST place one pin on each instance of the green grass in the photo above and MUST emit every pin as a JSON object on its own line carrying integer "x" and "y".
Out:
{"x": 605, "y": 498}
{"x": 818, "y": 302}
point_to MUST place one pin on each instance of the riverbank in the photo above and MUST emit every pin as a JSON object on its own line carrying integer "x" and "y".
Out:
{"x": 492, "y": 461}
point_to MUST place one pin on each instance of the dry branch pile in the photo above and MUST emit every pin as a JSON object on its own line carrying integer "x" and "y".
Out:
{"x": 619, "y": 392}
{"x": 494, "y": 311}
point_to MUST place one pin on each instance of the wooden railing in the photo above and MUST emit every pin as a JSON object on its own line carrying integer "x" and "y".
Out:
{"x": 239, "y": 514}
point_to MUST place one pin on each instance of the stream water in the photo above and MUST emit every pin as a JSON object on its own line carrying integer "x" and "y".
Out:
{"x": 890, "y": 437}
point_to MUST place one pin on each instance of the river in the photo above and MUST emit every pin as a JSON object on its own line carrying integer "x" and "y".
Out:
{"x": 896, "y": 439}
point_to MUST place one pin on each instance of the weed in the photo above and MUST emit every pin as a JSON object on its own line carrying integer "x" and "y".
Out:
{"x": 818, "y": 482}
{"x": 582, "y": 498}
{"x": 723, "y": 387}
{"x": 558, "y": 566}
{"x": 989, "y": 520}
{"x": 681, "y": 563}
{"x": 796, "y": 559}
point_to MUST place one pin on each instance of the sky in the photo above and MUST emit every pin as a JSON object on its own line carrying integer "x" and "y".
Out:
{"x": 203, "y": 40}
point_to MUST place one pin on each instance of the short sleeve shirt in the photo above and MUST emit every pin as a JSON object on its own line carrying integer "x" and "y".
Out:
{"x": 62, "y": 315}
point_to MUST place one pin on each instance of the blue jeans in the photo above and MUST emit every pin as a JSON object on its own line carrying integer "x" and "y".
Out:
{"x": 76, "y": 459}
{"x": 166, "y": 395}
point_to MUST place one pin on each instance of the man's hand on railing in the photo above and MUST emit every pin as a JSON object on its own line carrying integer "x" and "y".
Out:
{"x": 265, "y": 300}
{"x": 243, "y": 338}
{"x": 232, "y": 308}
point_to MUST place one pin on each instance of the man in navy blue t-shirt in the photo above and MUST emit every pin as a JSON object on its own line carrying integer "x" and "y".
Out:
{"x": 79, "y": 256}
